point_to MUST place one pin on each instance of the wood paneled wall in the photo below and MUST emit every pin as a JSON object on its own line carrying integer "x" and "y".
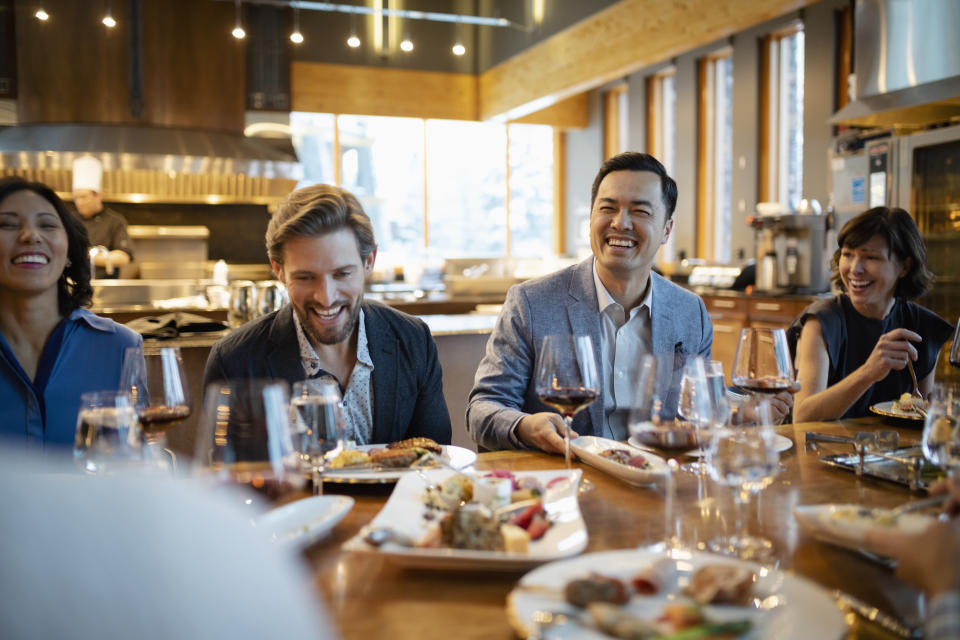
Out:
{"x": 615, "y": 42}
{"x": 73, "y": 69}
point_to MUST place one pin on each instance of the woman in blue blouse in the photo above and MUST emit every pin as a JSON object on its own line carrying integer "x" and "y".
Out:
{"x": 853, "y": 348}
{"x": 51, "y": 350}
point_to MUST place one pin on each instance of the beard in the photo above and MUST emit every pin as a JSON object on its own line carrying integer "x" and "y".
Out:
{"x": 332, "y": 335}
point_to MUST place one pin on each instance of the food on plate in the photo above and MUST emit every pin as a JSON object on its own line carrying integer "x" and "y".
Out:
{"x": 629, "y": 458}
{"x": 617, "y": 622}
{"x": 909, "y": 403}
{"x": 394, "y": 457}
{"x": 419, "y": 442}
{"x": 478, "y": 513}
{"x": 721, "y": 584}
{"x": 854, "y": 513}
{"x": 350, "y": 458}
{"x": 674, "y": 434}
{"x": 677, "y": 621}
{"x": 595, "y": 588}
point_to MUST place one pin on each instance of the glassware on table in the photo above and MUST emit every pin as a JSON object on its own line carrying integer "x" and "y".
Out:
{"x": 108, "y": 433}
{"x": 955, "y": 347}
{"x": 652, "y": 422}
{"x": 317, "y": 425}
{"x": 157, "y": 381}
{"x": 941, "y": 428}
{"x": 762, "y": 362}
{"x": 744, "y": 457}
{"x": 244, "y": 437}
{"x": 567, "y": 380}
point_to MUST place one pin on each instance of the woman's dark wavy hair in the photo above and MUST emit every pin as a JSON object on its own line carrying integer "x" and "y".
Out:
{"x": 903, "y": 238}
{"x": 73, "y": 286}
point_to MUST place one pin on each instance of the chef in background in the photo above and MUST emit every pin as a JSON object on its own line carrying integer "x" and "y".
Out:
{"x": 110, "y": 243}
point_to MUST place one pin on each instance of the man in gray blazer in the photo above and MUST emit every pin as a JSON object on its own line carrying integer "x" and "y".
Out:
{"x": 613, "y": 297}
{"x": 321, "y": 246}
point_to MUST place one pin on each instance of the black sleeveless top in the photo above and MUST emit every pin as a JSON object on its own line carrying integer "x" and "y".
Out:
{"x": 850, "y": 337}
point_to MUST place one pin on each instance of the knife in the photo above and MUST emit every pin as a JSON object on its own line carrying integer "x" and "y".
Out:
{"x": 874, "y": 615}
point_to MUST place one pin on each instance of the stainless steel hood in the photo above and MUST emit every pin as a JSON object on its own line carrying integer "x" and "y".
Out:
{"x": 132, "y": 148}
{"x": 907, "y": 64}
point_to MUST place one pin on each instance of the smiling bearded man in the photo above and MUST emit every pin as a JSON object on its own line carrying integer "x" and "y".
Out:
{"x": 321, "y": 246}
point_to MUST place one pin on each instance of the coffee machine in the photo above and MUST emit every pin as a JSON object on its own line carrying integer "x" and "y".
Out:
{"x": 791, "y": 250}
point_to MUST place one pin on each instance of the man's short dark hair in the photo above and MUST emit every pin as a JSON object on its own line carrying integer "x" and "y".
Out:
{"x": 903, "y": 239}
{"x": 73, "y": 286}
{"x": 636, "y": 161}
{"x": 318, "y": 210}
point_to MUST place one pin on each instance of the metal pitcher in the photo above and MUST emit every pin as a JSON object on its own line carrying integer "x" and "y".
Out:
{"x": 271, "y": 296}
{"x": 243, "y": 302}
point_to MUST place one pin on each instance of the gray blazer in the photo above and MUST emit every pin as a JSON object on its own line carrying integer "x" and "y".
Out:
{"x": 407, "y": 386}
{"x": 566, "y": 301}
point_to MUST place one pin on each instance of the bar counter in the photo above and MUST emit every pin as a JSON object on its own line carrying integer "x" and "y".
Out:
{"x": 369, "y": 597}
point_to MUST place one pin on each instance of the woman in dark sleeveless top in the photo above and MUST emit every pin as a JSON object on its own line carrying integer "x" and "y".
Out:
{"x": 851, "y": 351}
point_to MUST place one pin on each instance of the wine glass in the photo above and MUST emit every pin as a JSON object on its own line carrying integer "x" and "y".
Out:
{"x": 108, "y": 434}
{"x": 567, "y": 379}
{"x": 703, "y": 403}
{"x": 955, "y": 347}
{"x": 244, "y": 437}
{"x": 652, "y": 422}
{"x": 156, "y": 380}
{"x": 744, "y": 457}
{"x": 317, "y": 425}
{"x": 762, "y": 362}
{"x": 941, "y": 428}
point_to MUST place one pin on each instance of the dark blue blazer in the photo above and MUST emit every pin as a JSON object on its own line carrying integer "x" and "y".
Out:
{"x": 407, "y": 387}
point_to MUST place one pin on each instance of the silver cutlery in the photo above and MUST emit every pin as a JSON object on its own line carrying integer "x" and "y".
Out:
{"x": 916, "y": 389}
{"x": 919, "y": 505}
{"x": 874, "y": 615}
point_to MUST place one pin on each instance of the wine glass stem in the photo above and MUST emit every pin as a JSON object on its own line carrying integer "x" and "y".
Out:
{"x": 317, "y": 478}
{"x": 742, "y": 498}
{"x": 566, "y": 440}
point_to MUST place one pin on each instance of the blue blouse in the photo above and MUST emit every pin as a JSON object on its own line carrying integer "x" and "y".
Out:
{"x": 85, "y": 353}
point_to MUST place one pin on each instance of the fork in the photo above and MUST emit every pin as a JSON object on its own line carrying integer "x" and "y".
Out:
{"x": 916, "y": 387}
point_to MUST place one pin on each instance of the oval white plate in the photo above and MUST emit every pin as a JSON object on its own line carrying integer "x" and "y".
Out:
{"x": 808, "y": 612}
{"x": 589, "y": 448}
{"x": 305, "y": 521}
{"x": 844, "y": 525}
{"x": 458, "y": 457}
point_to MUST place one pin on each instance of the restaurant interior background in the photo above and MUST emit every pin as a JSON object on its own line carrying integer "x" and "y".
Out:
{"x": 480, "y": 164}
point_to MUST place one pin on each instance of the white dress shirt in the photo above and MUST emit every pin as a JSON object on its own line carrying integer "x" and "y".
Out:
{"x": 623, "y": 343}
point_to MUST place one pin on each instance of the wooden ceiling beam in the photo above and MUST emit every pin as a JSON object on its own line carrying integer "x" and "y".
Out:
{"x": 613, "y": 43}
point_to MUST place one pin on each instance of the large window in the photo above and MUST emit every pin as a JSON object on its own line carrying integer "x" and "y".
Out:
{"x": 781, "y": 108}
{"x": 456, "y": 188}
{"x": 715, "y": 156}
{"x": 662, "y": 132}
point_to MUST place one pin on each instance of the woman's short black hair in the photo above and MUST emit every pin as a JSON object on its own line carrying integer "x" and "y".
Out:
{"x": 904, "y": 240}
{"x": 73, "y": 286}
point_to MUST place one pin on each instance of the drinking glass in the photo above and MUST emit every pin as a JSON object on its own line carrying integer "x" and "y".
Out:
{"x": 941, "y": 428}
{"x": 317, "y": 425}
{"x": 652, "y": 422}
{"x": 745, "y": 458}
{"x": 567, "y": 379}
{"x": 157, "y": 382}
{"x": 108, "y": 434}
{"x": 695, "y": 405}
{"x": 762, "y": 362}
{"x": 955, "y": 347}
{"x": 244, "y": 437}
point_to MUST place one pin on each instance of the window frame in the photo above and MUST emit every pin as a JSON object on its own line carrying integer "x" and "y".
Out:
{"x": 656, "y": 137}
{"x": 707, "y": 169}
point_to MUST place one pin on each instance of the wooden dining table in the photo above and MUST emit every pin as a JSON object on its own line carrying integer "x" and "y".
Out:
{"x": 368, "y": 596}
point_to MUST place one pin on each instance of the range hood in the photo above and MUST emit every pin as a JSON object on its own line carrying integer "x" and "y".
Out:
{"x": 907, "y": 64}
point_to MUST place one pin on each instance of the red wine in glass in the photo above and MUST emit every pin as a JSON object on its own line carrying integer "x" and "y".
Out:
{"x": 766, "y": 384}
{"x": 157, "y": 419}
{"x": 567, "y": 400}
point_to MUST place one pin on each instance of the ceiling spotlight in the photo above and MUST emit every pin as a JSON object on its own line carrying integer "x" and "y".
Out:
{"x": 41, "y": 14}
{"x": 353, "y": 41}
{"x": 238, "y": 31}
{"x": 459, "y": 49}
{"x": 296, "y": 37}
{"x": 406, "y": 44}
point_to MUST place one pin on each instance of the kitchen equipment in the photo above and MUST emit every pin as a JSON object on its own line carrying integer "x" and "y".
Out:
{"x": 243, "y": 302}
{"x": 271, "y": 295}
{"x": 791, "y": 251}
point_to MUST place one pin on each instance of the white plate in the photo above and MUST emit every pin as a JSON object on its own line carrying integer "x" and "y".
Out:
{"x": 404, "y": 512}
{"x": 458, "y": 457}
{"x": 588, "y": 449}
{"x": 807, "y": 612}
{"x": 305, "y": 521}
{"x": 782, "y": 443}
{"x": 846, "y": 525}
{"x": 888, "y": 409}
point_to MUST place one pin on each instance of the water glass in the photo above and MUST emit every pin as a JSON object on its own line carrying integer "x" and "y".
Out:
{"x": 108, "y": 432}
{"x": 317, "y": 425}
{"x": 941, "y": 428}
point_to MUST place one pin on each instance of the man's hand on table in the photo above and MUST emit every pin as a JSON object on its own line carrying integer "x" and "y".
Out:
{"x": 544, "y": 431}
